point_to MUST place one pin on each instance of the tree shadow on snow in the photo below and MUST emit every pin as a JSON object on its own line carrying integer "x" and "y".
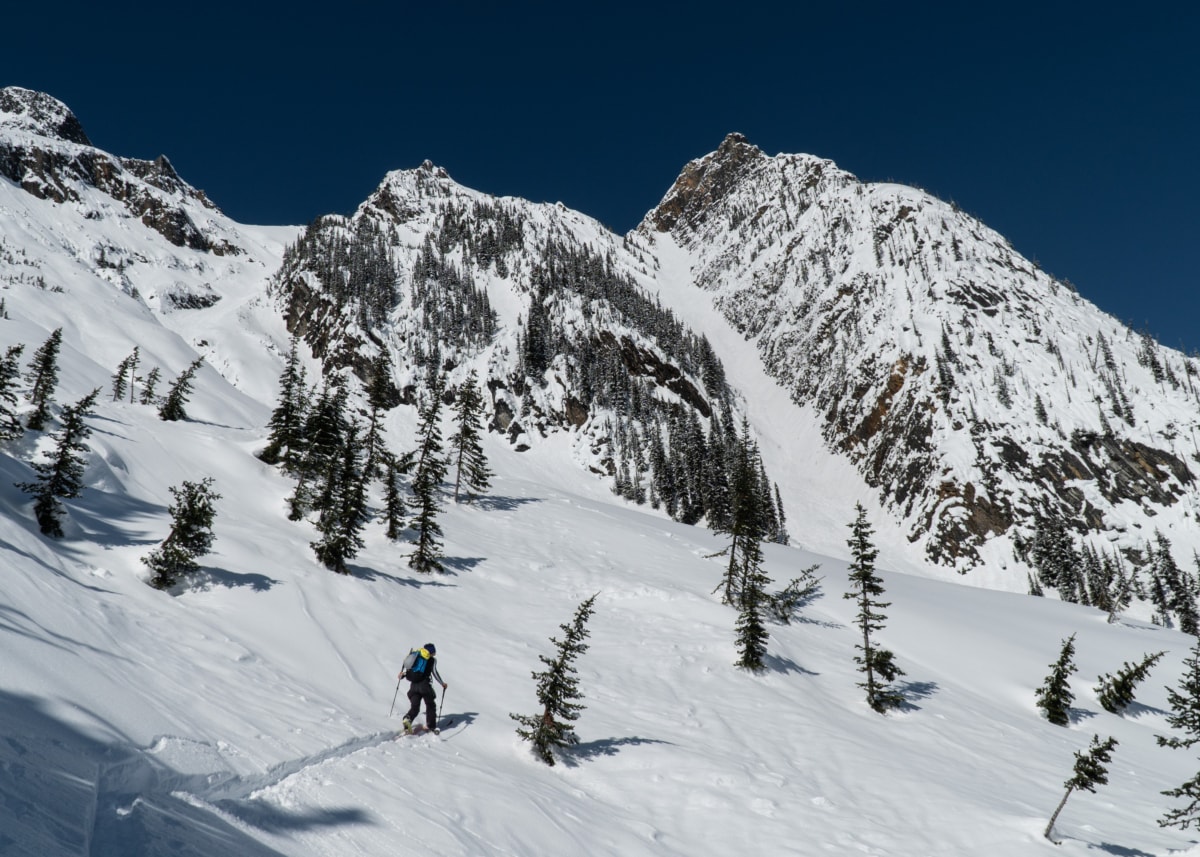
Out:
{"x": 913, "y": 690}
{"x": 362, "y": 572}
{"x": 775, "y": 663}
{"x": 66, "y": 792}
{"x": 462, "y": 563}
{"x": 603, "y": 747}
{"x": 1136, "y": 709}
{"x": 503, "y": 504}
{"x": 820, "y": 623}
{"x": 1121, "y": 850}
{"x": 207, "y": 578}
{"x": 22, "y": 624}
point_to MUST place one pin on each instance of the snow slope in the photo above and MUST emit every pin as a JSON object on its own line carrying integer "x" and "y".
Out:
{"x": 249, "y": 713}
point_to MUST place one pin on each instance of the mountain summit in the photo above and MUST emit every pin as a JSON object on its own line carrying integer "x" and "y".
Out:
{"x": 977, "y": 395}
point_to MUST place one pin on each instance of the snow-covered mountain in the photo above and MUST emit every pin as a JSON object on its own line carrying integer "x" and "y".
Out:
{"x": 247, "y": 712}
{"x": 973, "y": 391}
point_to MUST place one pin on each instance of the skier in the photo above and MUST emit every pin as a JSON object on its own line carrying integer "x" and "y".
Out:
{"x": 419, "y": 671}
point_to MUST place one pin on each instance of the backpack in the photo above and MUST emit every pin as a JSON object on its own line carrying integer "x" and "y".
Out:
{"x": 416, "y": 664}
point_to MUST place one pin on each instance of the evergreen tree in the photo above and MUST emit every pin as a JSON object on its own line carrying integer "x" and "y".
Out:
{"x": 343, "y": 507}
{"x": 1055, "y": 696}
{"x": 150, "y": 386}
{"x": 470, "y": 462}
{"x": 795, "y": 595}
{"x": 1053, "y": 555}
{"x": 558, "y": 690}
{"x": 1090, "y": 771}
{"x": 1178, "y": 586}
{"x": 746, "y": 525}
{"x": 191, "y": 535}
{"x": 1185, "y": 716}
{"x": 395, "y": 508}
{"x": 62, "y": 475}
{"x": 752, "y": 633}
{"x": 10, "y": 374}
{"x": 381, "y": 397}
{"x": 124, "y": 377}
{"x": 1185, "y": 704}
{"x": 427, "y": 478}
{"x": 43, "y": 378}
{"x": 285, "y": 443}
{"x": 172, "y": 408}
{"x": 324, "y": 433}
{"x": 1116, "y": 691}
{"x": 865, "y": 587}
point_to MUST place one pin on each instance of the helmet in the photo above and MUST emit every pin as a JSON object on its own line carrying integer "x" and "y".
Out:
{"x": 431, "y": 648}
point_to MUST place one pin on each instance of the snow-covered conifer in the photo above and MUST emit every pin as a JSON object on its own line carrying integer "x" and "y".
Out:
{"x": 466, "y": 448}
{"x": 558, "y": 690}
{"x": 1115, "y": 692}
{"x": 172, "y": 408}
{"x": 430, "y": 469}
{"x": 191, "y": 535}
{"x": 10, "y": 374}
{"x": 877, "y": 664}
{"x": 43, "y": 378}
{"x": 1090, "y": 771}
{"x": 1054, "y": 697}
{"x": 62, "y": 476}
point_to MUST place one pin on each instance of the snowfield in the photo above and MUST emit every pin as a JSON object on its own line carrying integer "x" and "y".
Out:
{"x": 253, "y": 710}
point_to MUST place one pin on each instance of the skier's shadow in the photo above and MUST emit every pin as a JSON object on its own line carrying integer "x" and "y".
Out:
{"x": 455, "y": 720}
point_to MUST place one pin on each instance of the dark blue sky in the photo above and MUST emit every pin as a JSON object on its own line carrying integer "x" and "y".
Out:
{"x": 1073, "y": 133}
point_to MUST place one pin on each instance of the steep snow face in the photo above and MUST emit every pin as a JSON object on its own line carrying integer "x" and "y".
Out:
{"x": 974, "y": 392}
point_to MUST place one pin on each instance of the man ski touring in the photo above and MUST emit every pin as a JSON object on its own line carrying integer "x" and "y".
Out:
{"x": 420, "y": 668}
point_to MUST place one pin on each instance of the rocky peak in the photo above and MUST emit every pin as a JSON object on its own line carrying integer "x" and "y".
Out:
{"x": 705, "y": 181}
{"x": 41, "y": 114}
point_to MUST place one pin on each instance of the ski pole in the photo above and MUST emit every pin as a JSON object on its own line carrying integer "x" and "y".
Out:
{"x": 442, "y": 704}
{"x": 394, "y": 696}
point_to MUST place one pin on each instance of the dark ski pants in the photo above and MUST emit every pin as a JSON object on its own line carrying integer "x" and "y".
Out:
{"x": 417, "y": 691}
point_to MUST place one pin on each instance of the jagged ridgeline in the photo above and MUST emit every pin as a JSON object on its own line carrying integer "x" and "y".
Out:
{"x": 590, "y": 352}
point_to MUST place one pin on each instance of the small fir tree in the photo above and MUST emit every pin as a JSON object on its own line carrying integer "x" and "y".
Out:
{"x": 285, "y": 442}
{"x": 558, "y": 690}
{"x": 427, "y": 478}
{"x": 746, "y": 523}
{"x": 172, "y": 408}
{"x": 344, "y": 509}
{"x": 466, "y": 447}
{"x": 752, "y": 632}
{"x": 381, "y": 396}
{"x": 1115, "y": 692}
{"x": 62, "y": 476}
{"x": 10, "y": 374}
{"x": 123, "y": 378}
{"x": 43, "y": 378}
{"x": 191, "y": 535}
{"x": 150, "y": 386}
{"x": 876, "y": 663}
{"x": 795, "y": 595}
{"x": 1054, "y": 697}
{"x": 1185, "y": 716}
{"x": 394, "y": 507}
{"x": 1090, "y": 771}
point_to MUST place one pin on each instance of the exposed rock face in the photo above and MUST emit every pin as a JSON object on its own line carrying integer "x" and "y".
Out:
{"x": 44, "y": 150}
{"x": 973, "y": 390}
